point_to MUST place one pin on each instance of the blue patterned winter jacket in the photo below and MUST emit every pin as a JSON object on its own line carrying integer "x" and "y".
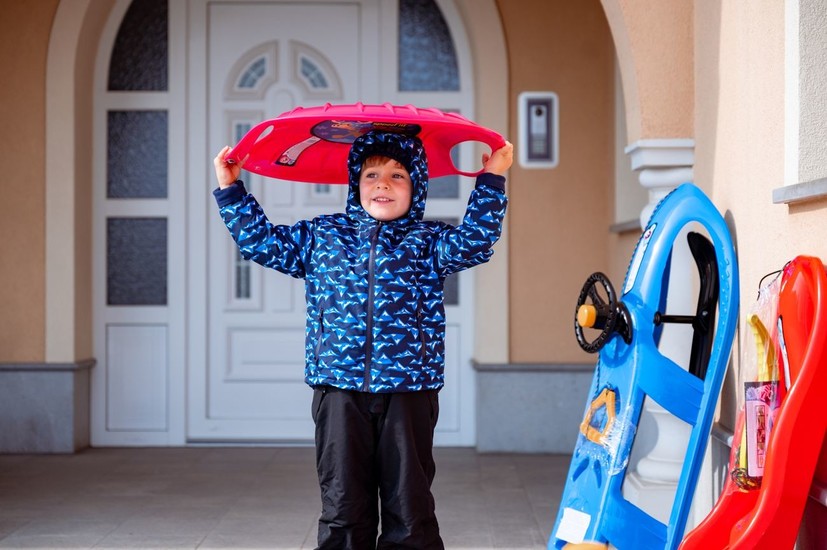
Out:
{"x": 374, "y": 290}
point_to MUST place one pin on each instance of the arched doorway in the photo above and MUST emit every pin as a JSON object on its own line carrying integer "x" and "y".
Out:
{"x": 158, "y": 276}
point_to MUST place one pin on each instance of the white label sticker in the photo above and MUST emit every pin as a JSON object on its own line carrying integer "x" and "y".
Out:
{"x": 642, "y": 245}
{"x": 573, "y": 526}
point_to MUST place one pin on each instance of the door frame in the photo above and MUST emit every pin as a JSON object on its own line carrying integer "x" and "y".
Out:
{"x": 484, "y": 38}
{"x": 201, "y": 428}
{"x": 462, "y": 382}
{"x": 112, "y": 423}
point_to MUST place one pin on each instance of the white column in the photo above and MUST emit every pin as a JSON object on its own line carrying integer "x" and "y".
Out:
{"x": 660, "y": 446}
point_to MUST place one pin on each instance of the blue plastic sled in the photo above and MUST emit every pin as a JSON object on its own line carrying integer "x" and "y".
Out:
{"x": 630, "y": 367}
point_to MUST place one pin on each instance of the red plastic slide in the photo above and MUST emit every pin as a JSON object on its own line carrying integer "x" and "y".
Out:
{"x": 768, "y": 517}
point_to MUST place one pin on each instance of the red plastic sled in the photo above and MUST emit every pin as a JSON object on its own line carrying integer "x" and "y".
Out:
{"x": 311, "y": 144}
{"x": 768, "y": 517}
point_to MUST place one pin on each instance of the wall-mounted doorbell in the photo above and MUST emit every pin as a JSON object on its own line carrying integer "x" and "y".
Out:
{"x": 539, "y": 130}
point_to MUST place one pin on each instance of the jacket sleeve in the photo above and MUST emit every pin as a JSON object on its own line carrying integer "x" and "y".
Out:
{"x": 281, "y": 247}
{"x": 469, "y": 243}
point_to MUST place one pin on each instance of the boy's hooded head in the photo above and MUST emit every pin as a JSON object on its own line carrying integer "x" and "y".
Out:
{"x": 407, "y": 150}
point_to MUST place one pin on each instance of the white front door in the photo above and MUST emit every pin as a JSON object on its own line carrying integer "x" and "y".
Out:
{"x": 253, "y": 61}
{"x": 263, "y": 59}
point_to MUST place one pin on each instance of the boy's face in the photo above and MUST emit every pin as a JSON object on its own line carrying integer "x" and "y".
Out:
{"x": 385, "y": 189}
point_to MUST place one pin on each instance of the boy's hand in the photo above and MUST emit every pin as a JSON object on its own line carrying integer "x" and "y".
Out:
{"x": 226, "y": 172}
{"x": 500, "y": 160}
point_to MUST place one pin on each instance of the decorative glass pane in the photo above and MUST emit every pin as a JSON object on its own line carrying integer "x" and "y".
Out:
{"x": 241, "y": 129}
{"x": 313, "y": 74}
{"x": 242, "y": 277}
{"x": 136, "y": 261}
{"x": 427, "y": 59}
{"x": 446, "y": 187}
{"x": 136, "y": 163}
{"x": 451, "y": 289}
{"x": 139, "y": 58}
{"x": 253, "y": 74}
{"x": 451, "y": 286}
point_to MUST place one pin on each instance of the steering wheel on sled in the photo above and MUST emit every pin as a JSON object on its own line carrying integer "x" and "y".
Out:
{"x": 608, "y": 315}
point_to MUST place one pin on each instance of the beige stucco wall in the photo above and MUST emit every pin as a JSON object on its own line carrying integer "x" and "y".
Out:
{"x": 740, "y": 129}
{"x": 812, "y": 149}
{"x": 558, "y": 218}
{"x": 579, "y": 183}
{"x": 24, "y": 37}
{"x": 70, "y": 74}
{"x": 485, "y": 36}
{"x": 740, "y": 125}
{"x": 654, "y": 44}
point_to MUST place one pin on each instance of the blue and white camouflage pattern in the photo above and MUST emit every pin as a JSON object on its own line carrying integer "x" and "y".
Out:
{"x": 374, "y": 290}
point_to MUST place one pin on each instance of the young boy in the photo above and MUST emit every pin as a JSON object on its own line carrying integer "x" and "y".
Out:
{"x": 375, "y": 335}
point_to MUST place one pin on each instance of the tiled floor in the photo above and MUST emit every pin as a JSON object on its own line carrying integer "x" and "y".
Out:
{"x": 251, "y": 498}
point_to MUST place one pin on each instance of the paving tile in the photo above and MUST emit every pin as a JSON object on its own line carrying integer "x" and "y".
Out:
{"x": 252, "y": 498}
{"x": 149, "y": 541}
{"x": 10, "y": 525}
{"x": 110, "y": 509}
{"x": 58, "y": 533}
{"x": 290, "y": 531}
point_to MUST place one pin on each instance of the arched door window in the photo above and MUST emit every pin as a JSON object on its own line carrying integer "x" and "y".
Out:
{"x": 140, "y": 60}
{"x": 428, "y": 63}
{"x": 136, "y": 230}
{"x": 427, "y": 58}
{"x": 136, "y": 159}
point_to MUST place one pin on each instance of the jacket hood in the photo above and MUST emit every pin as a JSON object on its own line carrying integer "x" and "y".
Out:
{"x": 407, "y": 150}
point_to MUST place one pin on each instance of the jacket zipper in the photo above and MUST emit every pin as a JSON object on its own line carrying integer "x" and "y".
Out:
{"x": 321, "y": 333}
{"x": 374, "y": 239}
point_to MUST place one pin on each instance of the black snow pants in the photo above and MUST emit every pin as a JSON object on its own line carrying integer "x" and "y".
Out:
{"x": 376, "y": 451}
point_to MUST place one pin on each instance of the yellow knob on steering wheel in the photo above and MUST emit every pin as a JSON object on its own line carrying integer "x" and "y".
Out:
{"x": 586, "y": 315}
